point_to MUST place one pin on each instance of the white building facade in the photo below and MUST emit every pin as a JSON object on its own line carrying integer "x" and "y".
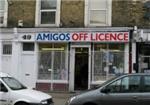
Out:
{"x": 64, "y": 59}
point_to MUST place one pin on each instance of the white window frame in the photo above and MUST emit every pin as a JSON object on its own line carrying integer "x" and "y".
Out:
{"x": 38, "y": 15}
{"x": 5, "y": 14}
{"x": 108, "y": 14}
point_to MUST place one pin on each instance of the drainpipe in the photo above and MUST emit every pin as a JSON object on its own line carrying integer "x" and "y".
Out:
{"x": 134, "y": 48}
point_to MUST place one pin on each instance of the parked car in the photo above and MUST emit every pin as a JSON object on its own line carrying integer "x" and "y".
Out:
{"x": 128, "y": 89}
{"x": 12, "y": 92}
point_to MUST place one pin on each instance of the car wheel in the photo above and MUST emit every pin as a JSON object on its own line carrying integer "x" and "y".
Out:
{"x": 21, "y": 103}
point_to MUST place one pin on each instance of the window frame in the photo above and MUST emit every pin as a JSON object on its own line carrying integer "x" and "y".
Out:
{"x": 87, "y": 14}
{"x": 5, "y": 11}
{"x": 38, "y": 14}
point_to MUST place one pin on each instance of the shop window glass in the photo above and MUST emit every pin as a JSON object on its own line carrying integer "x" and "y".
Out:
{"x": 48, "y": 11}
{"x": 108, "y": 61}
{"x": 28, "y": 46}
{"x": 53, "y": 62}
{"x": 7, "y": 49}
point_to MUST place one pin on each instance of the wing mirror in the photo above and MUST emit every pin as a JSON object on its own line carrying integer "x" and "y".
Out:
{"x": 105, "y": 90}
{"x": 3, "y": 89}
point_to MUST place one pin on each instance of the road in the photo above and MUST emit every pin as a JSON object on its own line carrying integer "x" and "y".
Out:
{"x": 60, "y": 98}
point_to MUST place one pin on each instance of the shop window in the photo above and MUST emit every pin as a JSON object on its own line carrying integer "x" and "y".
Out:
{"x": 99, "y": 13}
{"x": 28, "y": 46}
{"x": 7, "y": 49}
{"x": 3, "y": 11}
{"x": 53, "y": 62}
{"x": 49, "y": 12}
{"x": 108, "y": 61}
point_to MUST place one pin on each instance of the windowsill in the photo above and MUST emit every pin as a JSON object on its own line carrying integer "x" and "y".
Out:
{"x": 47, "y": 25}
{"x": 97, "y": 82}
{"x": 98, "y": 25}
{"x": 5, "y": 55}
{"x": 52, "y": 81}
{"x": 27, "y": 52}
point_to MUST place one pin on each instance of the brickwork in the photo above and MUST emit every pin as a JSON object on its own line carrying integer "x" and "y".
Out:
{"x": 21, "y": 10}
{"x": 72, "y": 13}
{"x": 129, "y": 13}
{"x": 124, "y": 13}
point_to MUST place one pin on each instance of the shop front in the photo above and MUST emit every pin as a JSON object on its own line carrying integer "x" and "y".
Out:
{"x": 79, "y": 60}
{"x": 65, "y": 59}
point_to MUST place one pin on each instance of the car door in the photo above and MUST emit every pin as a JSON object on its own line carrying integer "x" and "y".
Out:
{"x": 145, "y": 95}
{"x": 124, "y": 91}
{"x": 4, "y": 94}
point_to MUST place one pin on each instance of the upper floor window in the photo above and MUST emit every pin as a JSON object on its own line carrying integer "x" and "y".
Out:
{"x": 48, "y": 12}
{"x": 3, "y": 11}
{"x": 98, "y": 13}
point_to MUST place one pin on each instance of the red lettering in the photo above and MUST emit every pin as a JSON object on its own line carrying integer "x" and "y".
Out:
{"x": 126, "y": 36}
{"x": 107, "y": 36}
{"x": 75, "y": 36}
{"x": 120, "y": 36}
{"x": 113, "y": 36}
{"x": 101, "y": 36}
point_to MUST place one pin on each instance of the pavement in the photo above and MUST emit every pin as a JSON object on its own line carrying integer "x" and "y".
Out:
{"x": 60, "y": 98}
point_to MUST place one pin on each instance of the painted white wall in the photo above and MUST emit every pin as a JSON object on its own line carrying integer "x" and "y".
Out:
{"x": 133, "y": 55}
{"x": 126, "y": 58}
{"x": 6, "y": 64}
{"x": 16, "y": 59}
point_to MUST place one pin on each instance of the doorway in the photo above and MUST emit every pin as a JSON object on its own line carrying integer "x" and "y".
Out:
{"x": 81, "y": 68}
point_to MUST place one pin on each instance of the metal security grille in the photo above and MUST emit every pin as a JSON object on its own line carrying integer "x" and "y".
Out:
{"x": 7, "y": 49}
{"x": 107, "y": 64}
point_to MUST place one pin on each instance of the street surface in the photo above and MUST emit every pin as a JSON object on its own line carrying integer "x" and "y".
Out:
{"x": 60, "y": 98}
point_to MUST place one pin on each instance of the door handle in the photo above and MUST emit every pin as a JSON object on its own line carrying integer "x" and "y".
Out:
{"x": 134, "y": 97}
{"x": 27, "y": 74}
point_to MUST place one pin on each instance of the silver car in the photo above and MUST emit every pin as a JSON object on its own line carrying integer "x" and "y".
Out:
{"x": 128, "y": 89}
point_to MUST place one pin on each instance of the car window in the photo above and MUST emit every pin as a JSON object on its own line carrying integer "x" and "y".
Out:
{"x": 2, "y": 87}
{"x": 126, "y": 84}
{"x": 131, "y": 84}
{"x": 146, "y": 84}
{"x": 114, "y": 87}
{"x": 13, "y": 83}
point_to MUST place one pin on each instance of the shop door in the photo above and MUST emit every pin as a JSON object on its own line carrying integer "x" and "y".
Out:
{"x": 144, "y": 64}
{"x": 81, "y": 69}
